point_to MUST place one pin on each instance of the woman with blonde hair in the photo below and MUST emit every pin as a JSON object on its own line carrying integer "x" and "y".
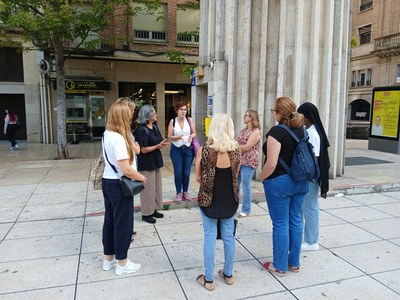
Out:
{"x": 118, "y": 151}
{"x": 217, "y": 168}
{"x": 284, "y": 196}
{"x": 249, "y": 144}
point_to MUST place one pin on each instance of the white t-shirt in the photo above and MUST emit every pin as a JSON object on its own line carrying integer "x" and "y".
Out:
{"x": 184, "y": 132}
{"x": 377, "y": 130}
{"x": 114, "y": 145}
{"x": 314, "y": 139}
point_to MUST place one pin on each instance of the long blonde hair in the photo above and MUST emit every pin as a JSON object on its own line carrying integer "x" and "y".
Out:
{"x": 119, "y": 120}
{"x": 221, "y": 134}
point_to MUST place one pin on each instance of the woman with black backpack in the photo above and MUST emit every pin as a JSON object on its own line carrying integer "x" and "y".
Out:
{"x": 284, "y": 196}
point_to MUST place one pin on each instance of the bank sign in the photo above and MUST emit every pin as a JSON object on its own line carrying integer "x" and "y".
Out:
{"x": 84, "y": 85}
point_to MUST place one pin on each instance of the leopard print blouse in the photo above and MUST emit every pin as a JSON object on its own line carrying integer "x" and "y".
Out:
{"x": 207, "y": 164}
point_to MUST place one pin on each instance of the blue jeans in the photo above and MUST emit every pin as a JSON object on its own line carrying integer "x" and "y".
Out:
{"x": 311, "y": 215}
{"x": 245, "y": 176}
{"x": 285, "y": 200}
{"x": 210, "y": 236}
{"x": 182, "y": 158}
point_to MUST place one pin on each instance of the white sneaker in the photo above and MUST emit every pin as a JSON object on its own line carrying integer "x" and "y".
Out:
{"x": 130, "y": 267}
{"x": 309, "y": 247}
{"x": 242, "y": 215}
{"x": 16, "y": 146}
{"x": 109, "y": 264}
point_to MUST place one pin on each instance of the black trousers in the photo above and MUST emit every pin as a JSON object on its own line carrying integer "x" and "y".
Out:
{"x": 118, "y": 220}
{"x": 11, "y": 131}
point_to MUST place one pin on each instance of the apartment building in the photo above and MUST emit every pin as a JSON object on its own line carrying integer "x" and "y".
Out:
{"x": 374, "y": 59}
{"x": 135, "y": 64}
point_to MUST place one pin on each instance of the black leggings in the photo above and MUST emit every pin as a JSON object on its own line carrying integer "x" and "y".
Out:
{"x": 11, "y": 131}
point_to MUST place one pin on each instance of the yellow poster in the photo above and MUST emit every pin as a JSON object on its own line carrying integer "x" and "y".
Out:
{"x": 385, "y": 113}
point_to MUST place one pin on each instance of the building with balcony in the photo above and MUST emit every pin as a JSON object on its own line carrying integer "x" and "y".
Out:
{"x": 374, "y": 58}
{"x": 133, "y": 63}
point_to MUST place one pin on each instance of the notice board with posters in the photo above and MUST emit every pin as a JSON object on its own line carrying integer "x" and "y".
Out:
{"x": 385, "y": 119}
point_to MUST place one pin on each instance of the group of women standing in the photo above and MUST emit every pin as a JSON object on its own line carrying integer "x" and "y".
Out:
{"x": 222, "y": 165}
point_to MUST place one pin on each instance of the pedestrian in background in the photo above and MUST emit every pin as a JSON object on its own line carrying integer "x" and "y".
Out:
{"x": 319, "y": 139}
{"x": 217, "y": 169}
{"x": 11, "y": 126}
{"x": 150, "y": 162}
{"x": 118, "y": 218}
{"x": 284, "y": 196}
{"x": 181, "y": 131}
{"x": 249, "y": 145}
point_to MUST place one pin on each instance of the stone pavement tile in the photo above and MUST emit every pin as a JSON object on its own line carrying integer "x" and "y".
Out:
{"x": 182, "y": 254}
{"x": 256, "y": 210}
{"x": 336, "y": 202}
{"x": 275, "y": 296}
{"x": 354, "y": 288}
{"x": 176, "y": 215}
{"x": 16, "y": 190}
{"x": 318, "y": 267}
{"x": 254, "y": 224}
{"x": 263, "y": 205}
{"x": 326, "y": 219}
{"x": 59, "y": 293}
{"x": 94, "y": 207}
{"x": 33, "y": 274}
{"x": 373, "y": 198}
{"x": 94, "y": 223}
{"x": 10, "y": 214}
{"x": 358, "y": 214}
{"x": 63, "y": 187}
{"x": 153, "y": 286}
{"x": 372, "y": 257}
{"x": 39, "y": 247}
{"x": 46, "y": 228}
{"x": 55, "y": 211}
{"x": 250, "y": 280}
{"x": 394, "y": 194}
{"x": 52, "y": 198}
{"x": 386, "y": 228}
{"x": 17, "y": 181}
{"x": 180, "y": 232}
{"x": 343, "y": 235}
{"x": 392, "y": 209}
{"x": 8, "y": 201}
{"x": 258, "y": 244}
{"x": 153, "y": 260}
{"x": 34, "y": 164}
{"x": 94, "y": 195}
{"x": 396, "y": 241}
{"x": 391, "y": 279}
{"x": 25, "y": 173}
{"x": 4, "y": 229}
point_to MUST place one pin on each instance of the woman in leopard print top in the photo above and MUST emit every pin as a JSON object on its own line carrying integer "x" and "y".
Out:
{"x": 217, "y": 168}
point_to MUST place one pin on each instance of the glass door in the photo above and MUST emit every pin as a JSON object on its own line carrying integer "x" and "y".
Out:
{"x": 97, "y": 116}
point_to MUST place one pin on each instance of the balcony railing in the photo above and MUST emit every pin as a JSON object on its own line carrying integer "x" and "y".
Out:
{"x": 388, "y": 45}
{"x": 150, "y": 36}
{"x": 187, "y": 39}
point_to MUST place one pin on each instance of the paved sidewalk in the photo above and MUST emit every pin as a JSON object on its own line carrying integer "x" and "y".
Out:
{"x": 51, "y": 220}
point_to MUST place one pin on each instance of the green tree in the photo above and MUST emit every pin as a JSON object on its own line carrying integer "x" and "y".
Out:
{"x": 52, "y": 24}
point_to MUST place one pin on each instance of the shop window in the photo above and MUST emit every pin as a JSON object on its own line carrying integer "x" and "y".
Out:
{"x": 11, "y": 63}
{"x": 359, "y": 110}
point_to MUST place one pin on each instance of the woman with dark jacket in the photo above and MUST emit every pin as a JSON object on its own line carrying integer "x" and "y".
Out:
{"x": 284, "y": 196}
{"x": 150, "y": 162}
{"x": 217, "y": 169}
{"x": 11, "y": 127}
{"x": 319, "y": 139}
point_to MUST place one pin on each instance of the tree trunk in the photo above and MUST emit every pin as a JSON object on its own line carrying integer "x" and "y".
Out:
{"x": 62, "y": 149}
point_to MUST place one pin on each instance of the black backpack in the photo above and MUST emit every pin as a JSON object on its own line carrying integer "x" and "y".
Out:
{"x": 304, "y": 163}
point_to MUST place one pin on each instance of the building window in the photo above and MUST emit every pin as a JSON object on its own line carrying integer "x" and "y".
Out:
{"x": 366, "y": 4}
{"x": 11, "y": 63}
{"x": 361, "y": 78}
{"x": 398, "y": 74}
{"x": 353, "y": 78}
{"x": 364, "y": 34}
{"x": 187, "y": 25}
{"x": 150, "y": 26}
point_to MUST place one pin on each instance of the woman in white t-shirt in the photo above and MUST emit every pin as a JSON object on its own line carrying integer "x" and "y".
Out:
{"x": 118, "y": 151}
{"x": 181, "y": 131}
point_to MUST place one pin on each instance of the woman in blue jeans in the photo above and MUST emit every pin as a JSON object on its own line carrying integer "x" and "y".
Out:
{"x": 181, "y": 131}
{"x": 284, "y": 196}
{"x": 217, "y": 168}
{"x": 319, "y": 139}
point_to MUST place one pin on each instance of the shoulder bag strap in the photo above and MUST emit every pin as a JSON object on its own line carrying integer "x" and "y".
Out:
{"x": 105, "y": 152}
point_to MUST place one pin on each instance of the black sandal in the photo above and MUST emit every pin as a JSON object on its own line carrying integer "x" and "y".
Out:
{"x": 133, "y": 235}
{"x": 201, "y": 279}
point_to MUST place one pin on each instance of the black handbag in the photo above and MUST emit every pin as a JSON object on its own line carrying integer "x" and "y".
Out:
{"x": 131, "y": 187}
{"x": 219, "y": 228}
